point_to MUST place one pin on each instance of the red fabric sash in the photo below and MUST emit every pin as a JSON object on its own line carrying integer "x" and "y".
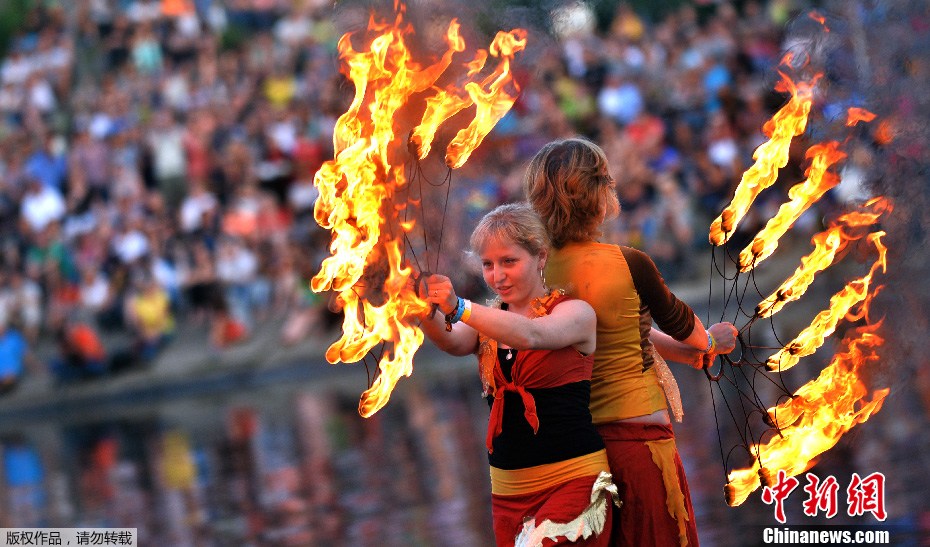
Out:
{"x": 496, "y": 422}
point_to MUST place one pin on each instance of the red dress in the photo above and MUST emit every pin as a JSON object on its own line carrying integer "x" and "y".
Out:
{"x": 550, "y": 482}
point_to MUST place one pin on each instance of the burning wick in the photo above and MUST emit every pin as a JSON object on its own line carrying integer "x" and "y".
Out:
{"x": 765, "y": 477}
{"x": 729, "y": 494}
{"x": 726, "y": 222}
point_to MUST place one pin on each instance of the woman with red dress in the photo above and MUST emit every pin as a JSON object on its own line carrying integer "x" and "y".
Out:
{"x": 550, "y": 483}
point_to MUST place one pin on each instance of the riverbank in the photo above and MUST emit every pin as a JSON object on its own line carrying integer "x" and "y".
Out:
{"x": 190, "y": 366}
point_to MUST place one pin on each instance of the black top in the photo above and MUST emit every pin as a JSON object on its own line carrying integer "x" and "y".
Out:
{"x": 565, "y": 428}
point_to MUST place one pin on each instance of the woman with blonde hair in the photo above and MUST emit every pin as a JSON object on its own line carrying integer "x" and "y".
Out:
{"x": 549, "y": 474}
{"x": 568, "y": 184}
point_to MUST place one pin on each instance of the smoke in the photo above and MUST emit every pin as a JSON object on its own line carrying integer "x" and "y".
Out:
{"x": 876, "y": 55}
{"x": 892, "y": 45}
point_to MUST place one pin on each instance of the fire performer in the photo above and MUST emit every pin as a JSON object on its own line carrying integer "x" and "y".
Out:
{"x": 549, "y": 471}
{"x": 569, "y": 186}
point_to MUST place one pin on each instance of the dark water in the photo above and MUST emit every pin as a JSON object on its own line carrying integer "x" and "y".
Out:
{"x": 286, "y": 464}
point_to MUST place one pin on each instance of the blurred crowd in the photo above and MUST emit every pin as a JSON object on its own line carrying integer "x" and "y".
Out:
{"x": 157, "y": 156}
{"x": 156, "y": 165}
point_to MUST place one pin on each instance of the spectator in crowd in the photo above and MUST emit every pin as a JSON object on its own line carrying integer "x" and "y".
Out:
{"x": 47, "y": 162}
{"x": 26, "y": 304}
{"x": 41, "y": 206}
{"x": 199, "y": 282}
{"x": 305, "y": 308}
{"x": 13, "y": 354}
{"x": 148, "y": 312}
{"x": 80, "y": 352}
{"x": 237, "y": 270}
{"x": 95, "y": 291}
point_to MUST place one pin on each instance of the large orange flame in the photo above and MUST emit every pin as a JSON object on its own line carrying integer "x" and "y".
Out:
{"x": 812, "y": 421}
{"x": 358, "y": 187}
{"x": 823, "y": 410}
{"x": 802, "y": 195}
{"x": 811, "y": 338}
{"x": 827, "y": 244}
{"x": 491, "y": 97}
{"x": 789, "y": 122}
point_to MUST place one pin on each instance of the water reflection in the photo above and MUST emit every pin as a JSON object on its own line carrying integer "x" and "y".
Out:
{"x": 291, "y": 463}
{"x": 282, "y": 467}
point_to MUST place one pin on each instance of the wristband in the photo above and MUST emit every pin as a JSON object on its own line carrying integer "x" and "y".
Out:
{"x": 466, "y": 312}
{"x": 711, "y": 343}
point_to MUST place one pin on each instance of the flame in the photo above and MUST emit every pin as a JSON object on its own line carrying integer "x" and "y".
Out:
{"x": 855, "y": 115}
{"x": 811, "y": 338}
{"x": 490, "y": 96}
{"x": 802, "y": 195}
{"x": 820, "y": 19}
{"x": 826, "y": 246}
{"x": 789, "y": 122}
{"x": 492, "y": 100}
{"x": 823, "y": 410}
{"x": 359, "y": 185}
{"x": 886, "y": 132}
{"x": 813, "y": 421}
{"x": 445, "y": 103}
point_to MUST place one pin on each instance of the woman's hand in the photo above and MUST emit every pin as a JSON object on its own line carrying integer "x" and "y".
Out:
{"x": 439, "y": 291}
{"x": 725, "y": 336}
{"x": 672, "y": 350}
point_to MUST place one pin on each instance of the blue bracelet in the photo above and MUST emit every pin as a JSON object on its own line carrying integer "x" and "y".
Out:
{"x": 456, "y": 314}
{"x": 459, "y": 310}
